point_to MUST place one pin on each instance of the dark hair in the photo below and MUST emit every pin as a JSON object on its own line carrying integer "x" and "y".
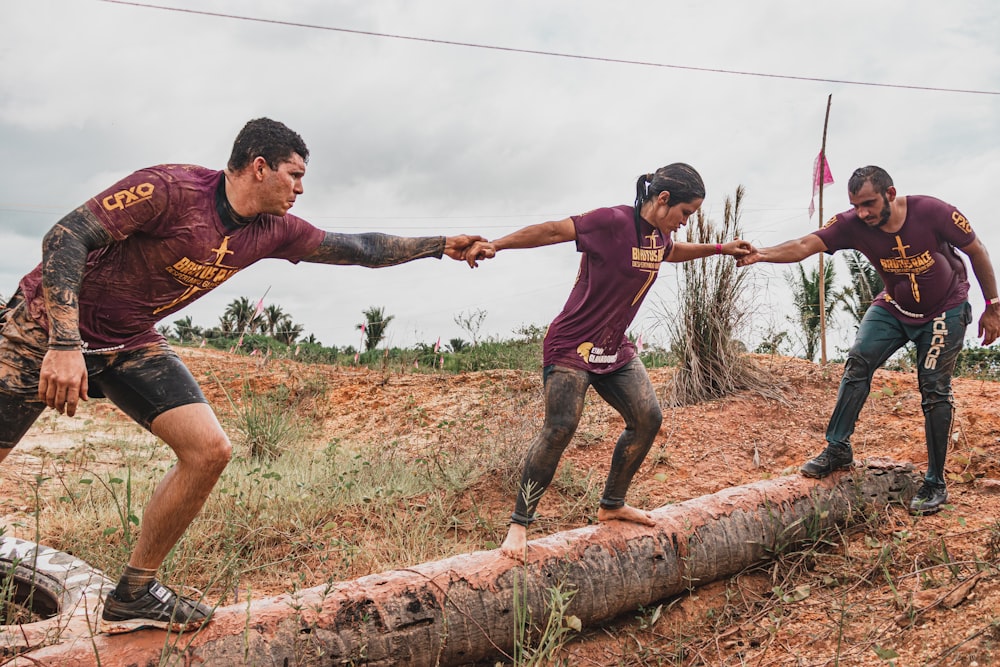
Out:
{"x": 269, "y": 139}
{"x": 681, "y": 180}
{"x": 877, "y": 176}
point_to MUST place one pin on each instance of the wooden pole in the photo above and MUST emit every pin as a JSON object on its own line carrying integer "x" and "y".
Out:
{"x": 462, "y": 610}
{"x": 821, "y": 172}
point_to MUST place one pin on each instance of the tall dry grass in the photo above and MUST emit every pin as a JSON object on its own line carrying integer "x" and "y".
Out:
{"x": 712, "y": 310}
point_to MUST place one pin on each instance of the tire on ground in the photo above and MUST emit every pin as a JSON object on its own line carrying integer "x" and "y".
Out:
{"x": 62, "y": 592}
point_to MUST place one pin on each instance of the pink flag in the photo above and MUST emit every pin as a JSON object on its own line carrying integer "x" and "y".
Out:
{"x": 441, "y": 361}
{"x": 416, "y": 364}
{"x": 638, "y": 344}
{"x": 437, "y": 345}
{"x": 203, "y": 341}
{"x": 821, "y": 176}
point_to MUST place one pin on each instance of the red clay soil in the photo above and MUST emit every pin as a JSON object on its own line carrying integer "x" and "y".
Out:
{"x": 834, "y": 606}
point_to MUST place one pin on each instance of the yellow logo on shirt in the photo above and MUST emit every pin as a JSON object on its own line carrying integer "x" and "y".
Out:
{"x": 125, "y": 198}
{"x": 648, "y": 260}
{"x": 595, "y": 355}
{"x": 199, "y": 276}
{"x": 961, "y": 222}
{"x": 908, "y": 265}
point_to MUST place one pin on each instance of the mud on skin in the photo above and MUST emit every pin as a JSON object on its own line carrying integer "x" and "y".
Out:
{"x": 64, "y": 255}
{"x": 374, "y": 249}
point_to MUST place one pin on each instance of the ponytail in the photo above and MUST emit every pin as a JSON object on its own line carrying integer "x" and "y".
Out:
{"x": 681, "y": 180}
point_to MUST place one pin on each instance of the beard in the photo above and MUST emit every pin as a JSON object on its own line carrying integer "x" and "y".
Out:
{"x": 883, "y": 217}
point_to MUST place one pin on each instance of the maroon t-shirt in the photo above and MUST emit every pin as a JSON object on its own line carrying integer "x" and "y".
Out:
{"x": 923, "y": 274}
{"x": 618, "y": 266}
{"x": 170, "y": 248}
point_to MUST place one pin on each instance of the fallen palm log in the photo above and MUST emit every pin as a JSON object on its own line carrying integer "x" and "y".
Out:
{"x": 462, "y": 609}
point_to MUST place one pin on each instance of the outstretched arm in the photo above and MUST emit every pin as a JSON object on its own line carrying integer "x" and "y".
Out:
{"x": 989, "y": 323}
{"x": 376, "y": 250}
{"x": 685, "y": 252}
{"x": 63, "y": 378}
{"x": 785, "y": 253}
{"x": 532, "y": 236}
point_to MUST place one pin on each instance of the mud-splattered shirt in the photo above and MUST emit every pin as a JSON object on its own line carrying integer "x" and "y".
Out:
{"x": 620, "y": 262}
{"x": 923, "y": 273}
{"x": 170, "y": 248}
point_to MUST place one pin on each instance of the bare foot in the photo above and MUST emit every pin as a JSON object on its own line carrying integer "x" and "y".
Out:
{"x": 515, "y": 544}
{"x": 625, "y": 513}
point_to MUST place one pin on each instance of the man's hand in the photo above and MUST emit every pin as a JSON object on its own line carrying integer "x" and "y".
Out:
{"x": 989, "y": 324}
{"x": 482, "y": 249}
{"x": 63, "y": 380}
{"x": 752, "y": 257}
{"x": 455, "y": 246}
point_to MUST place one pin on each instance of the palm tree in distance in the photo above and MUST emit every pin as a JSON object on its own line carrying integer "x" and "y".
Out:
{"x": 805, "y": 298}
{"x": 865, "y": 285}
{"x": 272, "y": 318}
{"x": 239, "y": 315}
{"x": 374, "y": 327}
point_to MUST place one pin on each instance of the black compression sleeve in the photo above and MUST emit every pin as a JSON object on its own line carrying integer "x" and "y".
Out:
{"x": 64, "y": 255}
{"x": 375, "y": 250}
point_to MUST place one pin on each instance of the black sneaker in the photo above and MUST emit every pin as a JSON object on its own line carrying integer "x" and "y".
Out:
{"x": 929, "y": 498}
{"x": 830, "y": 459}
{"x": 160, "y": 607}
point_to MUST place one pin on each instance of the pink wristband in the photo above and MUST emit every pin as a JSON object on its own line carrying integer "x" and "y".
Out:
{"x": 718, "y": 248}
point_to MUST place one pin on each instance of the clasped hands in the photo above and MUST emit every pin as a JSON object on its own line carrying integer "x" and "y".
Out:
{"x": 469, "y": 248}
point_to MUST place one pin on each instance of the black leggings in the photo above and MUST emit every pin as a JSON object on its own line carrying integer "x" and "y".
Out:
{"x": 629, "y": 391}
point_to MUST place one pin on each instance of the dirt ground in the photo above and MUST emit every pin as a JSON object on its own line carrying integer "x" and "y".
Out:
{"x": 900, "y": 590}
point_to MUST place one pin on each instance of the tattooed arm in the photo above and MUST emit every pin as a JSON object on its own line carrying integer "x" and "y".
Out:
{"x": 63, "y": 379}
{"x": 377, "y": 250}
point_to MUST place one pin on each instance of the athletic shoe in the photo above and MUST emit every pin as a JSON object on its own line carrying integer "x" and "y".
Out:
{"x": 830, "y": 459}
{"x": 929, "y": 498}
{"x": 159, "y": 607}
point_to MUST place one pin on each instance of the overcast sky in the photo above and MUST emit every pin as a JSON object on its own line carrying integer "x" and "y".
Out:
{"x": 420, "y": 137}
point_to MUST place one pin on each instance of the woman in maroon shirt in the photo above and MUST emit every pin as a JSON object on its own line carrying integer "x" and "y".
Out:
{"x": 622, "y": 248}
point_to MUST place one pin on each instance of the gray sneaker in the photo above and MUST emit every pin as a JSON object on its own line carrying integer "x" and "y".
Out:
{"x": 830, "y": 459}
{"x": 160, "y": 607}
{"x": 929, "y": 499}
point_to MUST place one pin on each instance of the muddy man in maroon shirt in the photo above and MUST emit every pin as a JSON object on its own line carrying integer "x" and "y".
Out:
{"x": 82, "y": 323}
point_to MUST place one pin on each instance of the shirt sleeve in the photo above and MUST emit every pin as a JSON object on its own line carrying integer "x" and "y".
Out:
{"x": 955, "y": 229}
{"x": 301, "y": 238}
{"x": 835, "y": 234}
{"x": 130, "y": 203}
{"x": 593, "y": 230}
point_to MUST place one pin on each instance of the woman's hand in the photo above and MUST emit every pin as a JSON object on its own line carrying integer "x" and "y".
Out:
{"x": 738, "y": 248}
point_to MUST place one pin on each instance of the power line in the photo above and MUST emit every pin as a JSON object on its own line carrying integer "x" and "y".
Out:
{"x": 555, "y": 54}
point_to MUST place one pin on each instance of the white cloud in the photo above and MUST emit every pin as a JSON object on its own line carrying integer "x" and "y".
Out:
{"x": 416, "y": 138}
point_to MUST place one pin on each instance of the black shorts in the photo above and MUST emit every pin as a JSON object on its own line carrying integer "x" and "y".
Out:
{"x": 143, "y": 383}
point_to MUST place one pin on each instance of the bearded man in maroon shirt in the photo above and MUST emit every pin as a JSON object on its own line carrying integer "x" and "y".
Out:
{"x": 912, "y": 241}
{"x": 82, "y": 323}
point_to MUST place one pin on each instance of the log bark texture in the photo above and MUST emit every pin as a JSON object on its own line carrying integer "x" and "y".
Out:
{"x": 461, "y": 610}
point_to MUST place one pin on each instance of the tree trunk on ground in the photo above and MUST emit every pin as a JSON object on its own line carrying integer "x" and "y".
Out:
{"x": 461, "y": 610}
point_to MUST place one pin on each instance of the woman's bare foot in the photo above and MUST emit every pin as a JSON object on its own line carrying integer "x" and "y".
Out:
{"x": 515, "y": 544}
{"x": 625, "y": 513}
